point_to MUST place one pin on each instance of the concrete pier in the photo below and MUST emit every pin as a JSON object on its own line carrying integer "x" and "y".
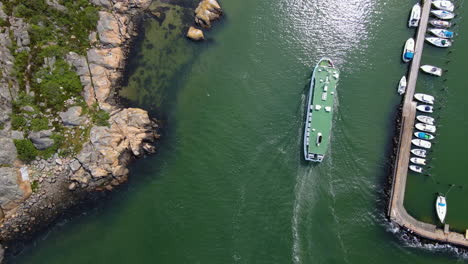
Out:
{"x": 396, "y": 210}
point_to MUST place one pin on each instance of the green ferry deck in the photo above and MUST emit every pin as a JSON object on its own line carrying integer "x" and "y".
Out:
{"x": 320, "y": 108}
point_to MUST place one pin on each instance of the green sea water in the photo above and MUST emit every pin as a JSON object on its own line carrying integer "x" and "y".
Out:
{"x": 229, "y": 184}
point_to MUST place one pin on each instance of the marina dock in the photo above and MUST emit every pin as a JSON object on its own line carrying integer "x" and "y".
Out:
{"x": 396, "y": 210}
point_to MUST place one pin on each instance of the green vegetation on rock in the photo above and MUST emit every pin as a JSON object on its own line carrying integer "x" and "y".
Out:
{"x": 26, "y": 150}
{"x": 48, "y": 84}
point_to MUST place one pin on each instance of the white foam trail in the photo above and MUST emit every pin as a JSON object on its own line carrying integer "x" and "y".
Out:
{"x": 299, "y": 190}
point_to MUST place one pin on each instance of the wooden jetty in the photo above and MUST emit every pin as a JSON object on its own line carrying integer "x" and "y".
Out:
{"x": 396, "y": 210}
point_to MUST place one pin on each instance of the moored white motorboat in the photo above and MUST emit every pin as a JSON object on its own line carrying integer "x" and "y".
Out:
{"x": 421, "y": 143}
{"x": 441, "y": 208}
{"x": 441, "y": 33}
{"x": 425, "y": 119}
{"x": 425, "y": 127}
{"x": 433, "y": 70}
{"x": 439, "y": 42}
{"x": 419, "y": 152}
{"x": 408, "y": 50}
{"x": 444, "y": 5}
{"x": 415, "y": 16}
{"x": 418, "y": 161}
{"x": 440, "y": 23}
{"x": 423, "y": 135}
{"x": 425, "y": 108}
{"x": 425, "y": 98}
{"x": 416, "y": 168}
{"x": 402, "y": 85}
{"x": 442, "y": 14}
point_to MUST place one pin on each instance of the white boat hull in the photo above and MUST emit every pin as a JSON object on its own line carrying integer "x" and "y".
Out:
{"x": 443, "y": 14}
{"x": 440, "y": 23}
{"x": 402, "y": 85}
{"x": 415, "y": 16}
{"x": 416, "y": 168}
{"x": 441, "y": 208}
{"x": 432, "y": 70}
{"x": 425, "y": 108}
{"x": 425, "y": 127}
{"x": 424, "y": 98}
{"x": 444, "y": 5}
{"x": 426, "y": 136}
{"x": 408, "y": 51}
{"x": 425, "y": 119}
{"x": 441, "y": 33}
{"x": 418, "y": 161}
{"x": 419, "y": 152}
{"x": 421, "y": 143}
{"x": 439, "y": 42}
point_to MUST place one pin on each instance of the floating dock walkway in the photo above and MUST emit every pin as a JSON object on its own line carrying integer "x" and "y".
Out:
{"x": 396, "y": 210}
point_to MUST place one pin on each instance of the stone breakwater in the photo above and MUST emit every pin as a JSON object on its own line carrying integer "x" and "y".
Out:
{"x": 33, "y": 195}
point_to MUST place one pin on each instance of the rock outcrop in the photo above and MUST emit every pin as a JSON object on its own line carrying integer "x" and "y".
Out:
{"x": 102, "y": 162}
{"x": 41, "y": 139}
{"x": 72, "y": 117}
{"x": 206, "y": 12}
{"x": 131, "y": 133}
{"x": 195, "y": 34}
{"x": 7, "y": 151}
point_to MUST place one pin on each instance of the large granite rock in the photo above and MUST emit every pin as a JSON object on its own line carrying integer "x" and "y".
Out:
{"x": 207, "y": 11}
{"x": 109, "y": 30}
{"x": 195, "y": 34}
{"x": 20, "y": 32}
{"x": 108, "y": 152}
{"x": 9, "y": 188}
{"x": 109, "y": 58}
{"x": 56, "y": 5}
{"x": 78, "y": 62}
{"x": 7, "y": 151}
{"x": 72, "y": 117}
{"x": 41, "y": 139}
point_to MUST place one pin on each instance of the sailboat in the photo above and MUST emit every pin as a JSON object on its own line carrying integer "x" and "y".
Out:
{"x": 441, "y": 208}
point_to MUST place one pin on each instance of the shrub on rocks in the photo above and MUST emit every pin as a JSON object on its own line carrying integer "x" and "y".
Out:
{"x": 26, "y": 150}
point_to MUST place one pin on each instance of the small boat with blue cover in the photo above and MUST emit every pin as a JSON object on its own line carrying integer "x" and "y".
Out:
{"x": 441, "y": 33}
{"x": 442, "y": 14}
{"x": 408, "y": 51}
{"x": 423, "y": 135}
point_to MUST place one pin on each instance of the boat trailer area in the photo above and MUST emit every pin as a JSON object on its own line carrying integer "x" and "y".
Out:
{"x": 396, "y": 210}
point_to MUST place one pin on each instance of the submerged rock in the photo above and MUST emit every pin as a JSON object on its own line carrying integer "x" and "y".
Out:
{"x": 195, "y": 34}
{"x": 207, "y": 11}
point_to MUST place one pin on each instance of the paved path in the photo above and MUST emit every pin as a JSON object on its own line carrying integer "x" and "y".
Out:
{"x": 396, "y": 210}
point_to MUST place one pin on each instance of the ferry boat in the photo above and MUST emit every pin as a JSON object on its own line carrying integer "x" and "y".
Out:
{"x": 320, "y": 104}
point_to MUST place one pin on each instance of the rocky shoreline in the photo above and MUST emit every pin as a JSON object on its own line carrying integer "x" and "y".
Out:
{"x": 35, "y": 193}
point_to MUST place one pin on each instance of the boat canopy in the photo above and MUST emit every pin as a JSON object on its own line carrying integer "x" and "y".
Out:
{"x": 448, "y": 34}
{"x": 409, "y": 55}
